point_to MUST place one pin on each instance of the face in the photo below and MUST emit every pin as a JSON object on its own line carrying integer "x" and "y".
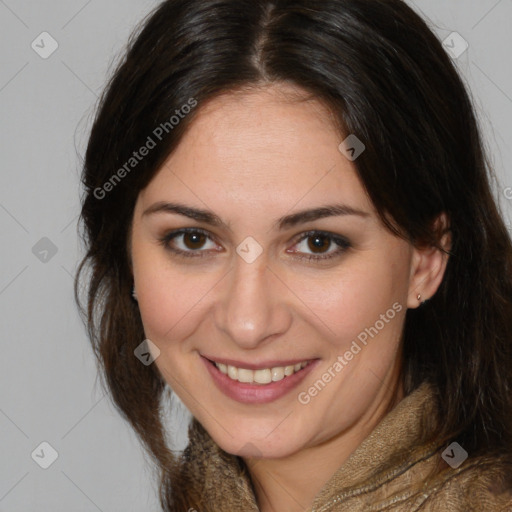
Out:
{"x": 256, "y": 247}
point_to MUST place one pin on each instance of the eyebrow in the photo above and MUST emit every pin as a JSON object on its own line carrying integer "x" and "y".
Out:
{"x": 282, "y": 223}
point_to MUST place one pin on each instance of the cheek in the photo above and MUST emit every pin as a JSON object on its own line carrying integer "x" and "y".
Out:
{"x": 353, "y": 298}
{"x": 171, "y": 299}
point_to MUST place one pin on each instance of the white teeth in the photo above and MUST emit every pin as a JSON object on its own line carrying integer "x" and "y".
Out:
{"x": 261, "y": 376}
{"x": 245, "y": 375}
{"x": 233, "y": 372}
{"x": 277, "y": 373}
{"x": 288, "y": 370}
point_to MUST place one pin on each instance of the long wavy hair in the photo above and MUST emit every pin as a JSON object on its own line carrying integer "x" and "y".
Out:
{"x": 387, "y": 79}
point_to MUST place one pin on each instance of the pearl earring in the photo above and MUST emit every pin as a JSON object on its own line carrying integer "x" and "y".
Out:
{"x": 134, "y": 293}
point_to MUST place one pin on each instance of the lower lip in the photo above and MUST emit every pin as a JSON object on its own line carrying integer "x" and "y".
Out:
{"x": 256, "y": 393}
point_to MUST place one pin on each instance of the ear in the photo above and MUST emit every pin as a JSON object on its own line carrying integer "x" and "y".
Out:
{"x": 428, "y": 265}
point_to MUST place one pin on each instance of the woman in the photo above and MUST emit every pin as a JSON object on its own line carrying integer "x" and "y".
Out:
{"x": 289, "y": 223}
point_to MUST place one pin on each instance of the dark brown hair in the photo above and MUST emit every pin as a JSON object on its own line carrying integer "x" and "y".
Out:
{"x": 387, "y": 79}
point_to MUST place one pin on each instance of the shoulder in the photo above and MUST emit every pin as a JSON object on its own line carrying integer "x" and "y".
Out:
{"x": 395, "y": 469}
{"x": 480, "y": 484}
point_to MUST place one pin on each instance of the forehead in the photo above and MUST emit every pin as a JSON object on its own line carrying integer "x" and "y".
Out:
{"x": 277, "y": 123}
{"x": 257, "y": 147}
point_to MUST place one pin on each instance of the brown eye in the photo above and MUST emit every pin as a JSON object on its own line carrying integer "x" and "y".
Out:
{"x": 189, "y": 242}
{"x": 317, "y": 246}
{"x": 319, "y": 243}
{"x": 194, "y": 240}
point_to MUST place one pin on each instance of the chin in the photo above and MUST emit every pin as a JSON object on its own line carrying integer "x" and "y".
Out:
{"x": 271, "y": 445}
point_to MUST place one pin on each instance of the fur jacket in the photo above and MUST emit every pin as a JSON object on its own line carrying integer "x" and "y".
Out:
{"x": 387, "y": 472}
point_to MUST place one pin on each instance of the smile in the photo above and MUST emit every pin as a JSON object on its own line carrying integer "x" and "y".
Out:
{"x": 260, "y": 384}
{"x": 261, "y": 376}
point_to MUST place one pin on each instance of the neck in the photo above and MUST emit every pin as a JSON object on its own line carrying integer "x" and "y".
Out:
{"x": 292, "y": 483}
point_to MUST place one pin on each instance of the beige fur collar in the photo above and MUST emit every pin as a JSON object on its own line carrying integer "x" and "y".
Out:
{"x": 386, "y": 472}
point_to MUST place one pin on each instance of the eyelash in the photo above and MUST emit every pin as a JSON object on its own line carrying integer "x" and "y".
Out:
{"x": 342, "y": 243}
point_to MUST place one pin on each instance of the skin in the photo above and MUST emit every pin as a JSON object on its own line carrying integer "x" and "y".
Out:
{"x": 285, "y": 160}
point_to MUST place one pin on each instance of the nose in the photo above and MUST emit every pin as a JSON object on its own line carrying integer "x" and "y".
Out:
{"x": 253, "y": 306}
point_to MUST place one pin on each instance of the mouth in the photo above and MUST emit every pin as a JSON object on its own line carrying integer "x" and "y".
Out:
{"x": 260, "y": 376}
{"x": 259, "y": 384}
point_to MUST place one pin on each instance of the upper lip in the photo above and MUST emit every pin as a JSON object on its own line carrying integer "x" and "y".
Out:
{"x": 256, "y": 366}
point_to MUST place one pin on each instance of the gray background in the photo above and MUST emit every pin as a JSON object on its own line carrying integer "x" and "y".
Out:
{"x": 49, "y": 389}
